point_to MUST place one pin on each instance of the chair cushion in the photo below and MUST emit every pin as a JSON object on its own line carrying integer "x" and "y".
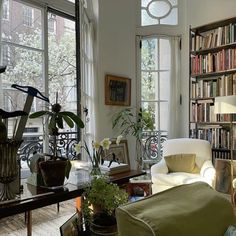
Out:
{"x": 176, "y": 178}
{"x": 181, "y": 163}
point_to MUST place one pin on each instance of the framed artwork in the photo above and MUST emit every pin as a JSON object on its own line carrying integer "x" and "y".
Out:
{"x": 71, "y": 226}
{"x": 224, "y": 176}
{"x": 121, "y": 152}
{"x": 117, "y": 90}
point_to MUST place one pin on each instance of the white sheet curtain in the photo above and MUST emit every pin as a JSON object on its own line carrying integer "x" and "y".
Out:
{"x": 174, "y": 101}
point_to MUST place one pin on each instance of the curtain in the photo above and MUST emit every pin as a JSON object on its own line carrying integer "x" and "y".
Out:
{"x": 174, "y": 101}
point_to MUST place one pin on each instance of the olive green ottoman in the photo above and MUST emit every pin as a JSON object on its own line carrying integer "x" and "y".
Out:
{"x": 186, "y": 210}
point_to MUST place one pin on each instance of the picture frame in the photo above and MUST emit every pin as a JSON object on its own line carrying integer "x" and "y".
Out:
{"x": 224, "y": 176}
{"x": 121, "y": 152}
{"x": 71, "y": 226}
{"x": 117, "y": 90}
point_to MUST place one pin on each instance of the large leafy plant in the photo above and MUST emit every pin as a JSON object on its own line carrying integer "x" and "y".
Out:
{"x": 56, "y": 119}
{"x": 132, "y": 122}
{"x": 102, "y": 198}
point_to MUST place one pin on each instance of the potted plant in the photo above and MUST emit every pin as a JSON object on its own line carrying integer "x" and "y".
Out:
{"x": 130, "y": 124}
{"x": 100, "y": 201}
{"x": 56, "y": 168}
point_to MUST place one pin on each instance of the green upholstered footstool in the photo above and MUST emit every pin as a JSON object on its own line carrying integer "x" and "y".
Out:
{"x": 187, "y": 210}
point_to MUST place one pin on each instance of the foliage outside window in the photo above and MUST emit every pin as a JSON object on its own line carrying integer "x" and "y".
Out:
{"x": 27, "y": 60}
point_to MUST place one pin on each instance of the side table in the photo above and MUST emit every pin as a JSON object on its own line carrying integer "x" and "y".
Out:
{"x": 140, "y": 182}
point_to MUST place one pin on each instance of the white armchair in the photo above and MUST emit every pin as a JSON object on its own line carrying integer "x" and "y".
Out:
{"x": 162, "y": 179}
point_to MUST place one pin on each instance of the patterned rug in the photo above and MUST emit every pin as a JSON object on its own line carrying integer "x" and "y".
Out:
{"x": 46, "y": 221}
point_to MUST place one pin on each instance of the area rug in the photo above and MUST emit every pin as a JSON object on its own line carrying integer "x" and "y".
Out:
{"x": 46, "y": 221}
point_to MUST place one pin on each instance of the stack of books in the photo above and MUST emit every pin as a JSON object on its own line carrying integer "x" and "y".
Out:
{"x": 114, "y": 168}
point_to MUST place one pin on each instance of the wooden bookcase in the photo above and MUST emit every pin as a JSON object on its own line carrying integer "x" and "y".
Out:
{"x": 212, "y": 59}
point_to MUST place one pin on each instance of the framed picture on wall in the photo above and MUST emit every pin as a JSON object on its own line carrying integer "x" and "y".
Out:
{"x": 117, "y": 90}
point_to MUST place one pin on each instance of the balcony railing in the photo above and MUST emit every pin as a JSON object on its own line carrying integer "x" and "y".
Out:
{"x": 65, "y": 146}
{"x": 152, "y": 142}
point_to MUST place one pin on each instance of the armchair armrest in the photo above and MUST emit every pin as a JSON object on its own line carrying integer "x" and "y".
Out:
{"x": 159, "y": 168}
{"x": 208, "y": 172}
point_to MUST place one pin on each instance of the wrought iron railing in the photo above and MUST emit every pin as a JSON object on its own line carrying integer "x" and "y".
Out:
{"x": 152, "y": 142}
{"x": 65, "y": 146}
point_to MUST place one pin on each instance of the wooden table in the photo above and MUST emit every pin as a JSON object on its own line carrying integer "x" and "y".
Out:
{"x": 34, "y": 197}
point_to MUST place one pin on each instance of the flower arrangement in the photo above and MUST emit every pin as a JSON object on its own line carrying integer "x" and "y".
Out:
{"x": 96, "y": 155}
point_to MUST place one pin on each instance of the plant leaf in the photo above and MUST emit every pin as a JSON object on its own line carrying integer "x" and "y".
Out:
{"x": 68, "y": 120}
{"x": 74, "y": 117}
{"x": 59, "y": 121}
{"x": 39, "y": 113}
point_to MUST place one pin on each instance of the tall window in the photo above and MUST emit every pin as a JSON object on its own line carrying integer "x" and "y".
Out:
{"x": 159, "y": 71}
{"x": 155, "y": 79}
{"x": 28, "y": 16}
{"x": 37, "y": 58}
{"x": 159, "y": 12}
{"x": 159, "y": 85}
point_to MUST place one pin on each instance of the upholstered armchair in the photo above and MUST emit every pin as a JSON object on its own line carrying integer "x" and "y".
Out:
{"x": 184, "y": 161}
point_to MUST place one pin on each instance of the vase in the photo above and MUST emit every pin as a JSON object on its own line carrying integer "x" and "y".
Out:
{"x": 8, "y": 167}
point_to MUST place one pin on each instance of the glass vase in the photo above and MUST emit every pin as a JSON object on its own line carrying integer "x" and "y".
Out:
{"x": 8, "y": 167}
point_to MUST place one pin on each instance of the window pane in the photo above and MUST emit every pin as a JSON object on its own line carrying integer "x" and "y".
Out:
{"x": 25, "y": 27}
{"x": 159, "y": 8}
{"x": 165, "y": 54}
{"x": 164, "y": 85}
{"x": 153, "y": 108}
{"x": 149, "y": 86}
{"x": 147, "y": 20}
{"x": 149, "y": 54}
{"x": 163, "y": 12}
{"x": 164, "y": 115}
{"x": 62, "y": 65}
{"x": 171, "y": 19}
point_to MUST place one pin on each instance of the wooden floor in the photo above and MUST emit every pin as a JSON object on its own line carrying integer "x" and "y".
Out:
{"x": 46, "y": 221}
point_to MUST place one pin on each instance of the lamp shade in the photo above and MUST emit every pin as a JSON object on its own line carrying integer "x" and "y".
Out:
{"x": 225, "y": 105}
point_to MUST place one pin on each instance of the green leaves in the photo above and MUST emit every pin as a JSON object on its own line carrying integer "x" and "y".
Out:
{"x": 134, "y": 125}
{"x": 56, "y": 119}
{"x": 73, "y": 117}
{"x": 39, "y": 113}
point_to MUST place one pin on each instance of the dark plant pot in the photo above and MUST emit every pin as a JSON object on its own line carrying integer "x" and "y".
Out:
{"x": 103, "y": 224}
{"x": 53, "y": 172}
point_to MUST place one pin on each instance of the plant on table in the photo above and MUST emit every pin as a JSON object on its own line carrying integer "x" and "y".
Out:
{"x": 100, "y": 201}
{"x": 134, "y": 125}
{"x": 56, "y": 119}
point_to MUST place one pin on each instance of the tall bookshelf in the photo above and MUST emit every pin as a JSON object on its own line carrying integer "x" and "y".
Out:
{"x": 212, "y": 73}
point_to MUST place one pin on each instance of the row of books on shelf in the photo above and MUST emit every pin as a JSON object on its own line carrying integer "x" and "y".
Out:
{"x": 204, "y": 111}
{"x": 213, "y": 62}
{"x": 214, "y": 38}
{"x": 218, "y": 137}
{"x": 224, "y": 85}
{"x": 217, "y": 154}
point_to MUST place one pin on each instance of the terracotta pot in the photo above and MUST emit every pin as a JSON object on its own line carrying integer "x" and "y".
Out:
{"x": 53, "y": 172}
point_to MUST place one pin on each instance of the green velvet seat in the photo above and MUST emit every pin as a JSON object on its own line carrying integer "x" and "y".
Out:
{"x": 186, "y": 210}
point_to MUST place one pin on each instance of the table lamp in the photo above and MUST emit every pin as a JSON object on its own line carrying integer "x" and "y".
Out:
{"x": 227, "y": 105}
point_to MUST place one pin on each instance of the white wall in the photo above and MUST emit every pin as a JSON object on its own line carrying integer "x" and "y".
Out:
{"x": 116, "y": 55}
